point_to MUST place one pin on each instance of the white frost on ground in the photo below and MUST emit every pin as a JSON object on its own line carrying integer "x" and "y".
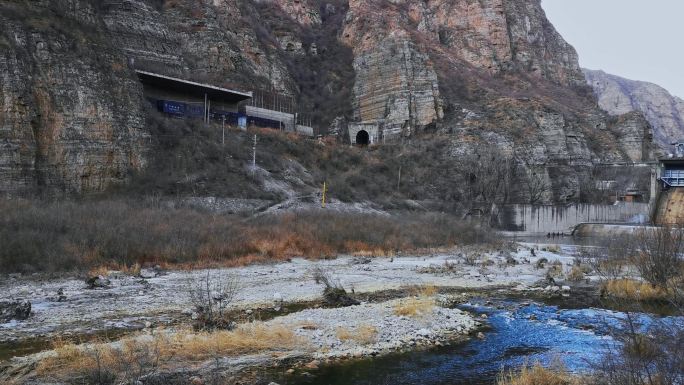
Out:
{"x": 133, "y": 301}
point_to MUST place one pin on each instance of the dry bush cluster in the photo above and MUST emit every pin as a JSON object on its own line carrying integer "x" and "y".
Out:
{"x": 362, "y": 334}
{"x": 421, "y": 303}
{"x": 45, "y": 236}
{"x": 538, "y": 375}
{"x": 647, "y": 354}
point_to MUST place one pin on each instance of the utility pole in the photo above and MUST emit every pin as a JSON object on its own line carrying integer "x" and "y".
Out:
{"x": 223, "y": 127}
{"x": 254, "y": 154}
{"x": 325, "y": 189}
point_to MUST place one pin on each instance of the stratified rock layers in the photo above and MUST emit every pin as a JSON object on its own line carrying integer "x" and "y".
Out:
{"x": 72, "y": 117}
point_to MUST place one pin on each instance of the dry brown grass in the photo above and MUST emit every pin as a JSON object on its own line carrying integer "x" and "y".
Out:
{"x": 420, "y": 304}
{"x": 538, "y": 375}
{"x": 363, "y": 334}
{"x": 576, "y": 274}
{"x": 633, "y": 290}
{"x": 125, "y": 235}
{"x": 99, "y": 271}
{"x": 70, "y": 359}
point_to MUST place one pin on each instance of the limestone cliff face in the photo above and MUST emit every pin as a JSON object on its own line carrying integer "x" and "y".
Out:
{"x": 396, "y": 43}
{"x": 70, "y": 121}
{"x": 619, "y": 96}
{"x": 72, "y": 115}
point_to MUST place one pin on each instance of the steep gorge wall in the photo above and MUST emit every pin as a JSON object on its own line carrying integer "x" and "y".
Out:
{"x": 70, "y": 121}
{"x": 480, "y": 70}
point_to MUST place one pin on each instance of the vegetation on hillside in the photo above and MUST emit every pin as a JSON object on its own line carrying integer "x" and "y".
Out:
{"x": 58, "y": 236}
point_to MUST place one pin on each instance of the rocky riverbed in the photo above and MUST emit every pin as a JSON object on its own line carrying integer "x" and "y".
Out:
{"x": 68, "y": 306}
{"x": 161, "y": 300}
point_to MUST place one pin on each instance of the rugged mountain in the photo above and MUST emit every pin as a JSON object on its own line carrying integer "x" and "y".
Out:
{"x": 485, "y": 72}
{"x": 619, "y": 96}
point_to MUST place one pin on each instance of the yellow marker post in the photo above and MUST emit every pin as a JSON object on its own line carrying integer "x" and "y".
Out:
{"x": 323, "y": 198}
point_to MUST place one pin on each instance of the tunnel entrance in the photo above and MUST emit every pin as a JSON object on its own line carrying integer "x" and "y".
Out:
{"x": 362, "y": 138}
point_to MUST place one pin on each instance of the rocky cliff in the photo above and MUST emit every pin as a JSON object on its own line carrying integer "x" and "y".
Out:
{"x": 71, "y": 117}
{"x": 482, "y": 71}
{"x": 619, "y": 96}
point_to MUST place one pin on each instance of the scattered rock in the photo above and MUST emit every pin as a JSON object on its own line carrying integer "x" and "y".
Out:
{"x": 14, "y": 310}
{"x": 361, "y": 260}
{"x": 565, "y": 288}
{"x": 290, "y": 371}
{"x": 196, "y": 381}
{"x": 148, "y": 273}
{"x": 313, "y": 365}
{"x": 98, "y": 282}
{"x": 60, "y": 295}
{"x": 187, "y": 311}
{"x": 480, "y": 335}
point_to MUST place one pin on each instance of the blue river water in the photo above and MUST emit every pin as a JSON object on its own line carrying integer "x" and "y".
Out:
{"x": 520, "y": 334}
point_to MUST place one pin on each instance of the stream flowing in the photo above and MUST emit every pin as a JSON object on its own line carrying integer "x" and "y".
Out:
{"x": 520, "y": 333}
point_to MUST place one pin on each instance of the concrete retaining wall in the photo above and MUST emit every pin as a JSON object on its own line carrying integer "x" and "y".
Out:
{"x": 528, "y": 219}
{"x": 593, "y": 230}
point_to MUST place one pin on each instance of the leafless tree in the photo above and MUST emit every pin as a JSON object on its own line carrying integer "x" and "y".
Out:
{"x": 211, "y": 296}
{"x": 487, "y": 173}
{"x": 646, "y": 354}
{"x": 659, "y": 257}
{"x": 532, "y": 174}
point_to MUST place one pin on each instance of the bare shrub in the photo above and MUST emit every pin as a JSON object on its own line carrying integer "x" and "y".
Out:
{"x": 651, "y": 354}
{"x": 652, "y": 358}
{"x": 334, "y": 293}
{"x": 659, "y": 257}
{"x": 128, "y": 234}
{"x": 211, "y": 296}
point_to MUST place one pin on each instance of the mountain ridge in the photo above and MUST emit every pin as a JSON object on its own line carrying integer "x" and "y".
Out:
{"x": 619, "y": 95}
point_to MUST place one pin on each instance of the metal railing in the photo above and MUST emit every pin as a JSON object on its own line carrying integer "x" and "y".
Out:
{"x": 673, "y": 178}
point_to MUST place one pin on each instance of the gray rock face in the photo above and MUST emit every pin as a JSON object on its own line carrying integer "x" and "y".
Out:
{"x": 70, "y": 121}
{"x": 397, "y": 87}
{"x": 72, "y": 115}
{"x": 619, "y": 96}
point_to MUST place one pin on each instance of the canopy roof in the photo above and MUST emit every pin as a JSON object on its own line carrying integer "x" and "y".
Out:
{"x": 193, "y": 88}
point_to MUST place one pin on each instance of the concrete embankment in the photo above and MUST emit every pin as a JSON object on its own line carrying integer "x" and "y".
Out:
{"x": 602, "y": 230}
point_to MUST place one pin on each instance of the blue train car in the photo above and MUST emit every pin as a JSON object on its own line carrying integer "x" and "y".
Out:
{"x": 172, "y": 108}
{"x": 194, "y": 110}
{"x": 180, "y": 109}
